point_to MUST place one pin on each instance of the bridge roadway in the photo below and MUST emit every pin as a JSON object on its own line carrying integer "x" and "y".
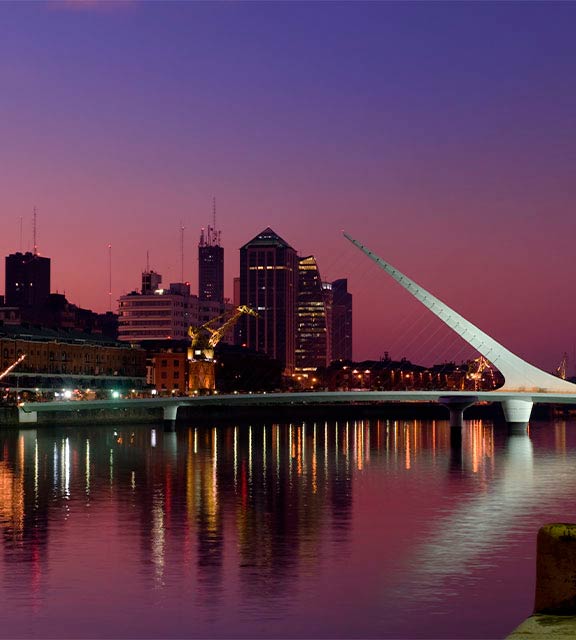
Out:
{"x": 517, "y": 405}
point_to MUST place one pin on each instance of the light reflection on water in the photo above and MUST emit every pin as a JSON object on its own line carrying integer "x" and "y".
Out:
{"x": 324, "y": 529}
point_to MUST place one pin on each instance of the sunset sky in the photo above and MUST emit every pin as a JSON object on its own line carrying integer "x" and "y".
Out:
{"x": 442, "y": 135}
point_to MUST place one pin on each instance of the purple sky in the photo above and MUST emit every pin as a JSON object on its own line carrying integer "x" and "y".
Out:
{"x": 441, "y": 135}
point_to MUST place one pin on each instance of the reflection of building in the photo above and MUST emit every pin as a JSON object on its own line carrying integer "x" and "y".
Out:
{"x": 312, "y": 322}
{"x": 27, "y": 280}
{"x": 341, "y": 320}
{"x": 268, "y": 284}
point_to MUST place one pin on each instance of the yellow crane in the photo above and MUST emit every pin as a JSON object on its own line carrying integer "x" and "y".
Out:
{"x": 476, "y": 370}
{"x": 207, "y": 336}
{"x": 203, "y": 341}
{"x": 561, "y": 370}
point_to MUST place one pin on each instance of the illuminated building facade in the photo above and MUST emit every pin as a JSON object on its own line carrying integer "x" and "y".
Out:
{"x": 162, "y": 314}
{"x": 312, "y": 324}
{"x": 57, "y": 359}
{"x": 210, "y": 266}
{"x": 341, "y": 320}
{"x": 170, "y": 373}
{"x": 268, "y": 284}
{"x": 27, "y": 280}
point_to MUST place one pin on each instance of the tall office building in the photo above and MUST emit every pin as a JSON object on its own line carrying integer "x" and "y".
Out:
{"x": 27, "y": 280}
{"x": 268, "y": 284}
{"x": 341, "y": 320}
{"x": 210, "y": 266}
{"x": 312, "y": 322}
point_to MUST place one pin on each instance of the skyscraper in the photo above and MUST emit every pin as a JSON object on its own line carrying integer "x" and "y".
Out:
{"x": 268, "y": 284}
{"x": 210, "y": 266}
{"x": 27, "y": 280}
{"x": 312, "y": 324}
{"x": 341, "y": 320}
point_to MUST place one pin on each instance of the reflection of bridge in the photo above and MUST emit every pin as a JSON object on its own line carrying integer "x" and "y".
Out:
{"x": 524, "y": 384}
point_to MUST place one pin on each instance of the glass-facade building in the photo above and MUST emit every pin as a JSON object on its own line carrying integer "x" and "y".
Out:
{"x": 268, "y": 284}
{"x": 313, "y": 340}
{"x": 210, "y": 266}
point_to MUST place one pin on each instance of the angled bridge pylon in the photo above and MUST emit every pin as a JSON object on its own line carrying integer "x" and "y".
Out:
{"x": 518, "y": 374}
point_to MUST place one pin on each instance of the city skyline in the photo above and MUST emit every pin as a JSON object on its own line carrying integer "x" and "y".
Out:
{"x": 439, "y": 135}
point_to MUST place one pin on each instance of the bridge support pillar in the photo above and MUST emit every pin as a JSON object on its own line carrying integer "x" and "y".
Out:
{"x": 456, "y": 405}
{"x": 27, "y": 417}
{"x": 170, "y": 415}
{"x": 517, "y": 413}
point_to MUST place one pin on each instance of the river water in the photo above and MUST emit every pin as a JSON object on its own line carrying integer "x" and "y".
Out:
{"x": 353, "y": 529}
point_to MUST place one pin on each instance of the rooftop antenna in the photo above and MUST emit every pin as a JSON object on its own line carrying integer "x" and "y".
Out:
{"x": 148, "y": 260}
{"x": 181, "y": 252}
{"x": 215, "y": 240}
{"x": 21, "y": 234}
{"x": 34, "y": 229}
{"x": 109, "y": 277}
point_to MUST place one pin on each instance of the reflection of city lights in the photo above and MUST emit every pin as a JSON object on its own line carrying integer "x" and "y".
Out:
{"x": 264, "y": 454}
{"x": 87, "y": 467}
{"x": 250, "y": 455}
{"x": 235, "y": 456}
{"x": 336, "y": 444}
{"x": 326, "y": 448}
{"x": 36, "y": 470}
{"x": 55, "y": 465}
{"x": 214, "y": 462}
{"x": 407, "y": 447}
{"x": 158, "y": 536}
{"x": 66, "y": 467}
{"x": 314, "y": 461}
{"x": 277, "y": 428}
{"x": 153, "y": 437}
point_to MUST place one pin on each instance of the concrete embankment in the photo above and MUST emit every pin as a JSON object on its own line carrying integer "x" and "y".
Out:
{"x": 555, "y": 601}
{"x": 132, "y": 415}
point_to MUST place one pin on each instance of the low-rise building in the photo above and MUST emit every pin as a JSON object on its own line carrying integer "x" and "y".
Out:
{"x": 67, "y": 360}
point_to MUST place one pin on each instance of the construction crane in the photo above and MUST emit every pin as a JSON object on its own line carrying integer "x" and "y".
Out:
{"x": 203, "y": 341}
{"x": 14, "y": 364}
{"x": 561, "y": 370}
{"x": 476, "y": 370}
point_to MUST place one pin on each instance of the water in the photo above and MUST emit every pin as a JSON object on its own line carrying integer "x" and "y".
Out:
{"x": 336, "y": 530}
